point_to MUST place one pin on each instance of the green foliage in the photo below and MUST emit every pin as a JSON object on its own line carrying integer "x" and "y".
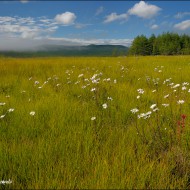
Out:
{"x": 140, "y": 46}
{"x": 165, "y": 44}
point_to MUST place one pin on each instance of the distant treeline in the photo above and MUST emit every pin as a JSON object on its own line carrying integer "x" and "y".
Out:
{"x": 164, "y": 44}
{"x": 68, "y": 51}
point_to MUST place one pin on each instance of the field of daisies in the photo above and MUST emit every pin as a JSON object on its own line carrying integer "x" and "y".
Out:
{"x": 98, "y": 123}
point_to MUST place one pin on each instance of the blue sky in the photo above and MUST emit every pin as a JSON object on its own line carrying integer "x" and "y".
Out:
{"x": 28, "y": 24}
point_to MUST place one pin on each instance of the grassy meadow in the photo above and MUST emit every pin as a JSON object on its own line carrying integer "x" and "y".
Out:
{"x": 95, "y": 123}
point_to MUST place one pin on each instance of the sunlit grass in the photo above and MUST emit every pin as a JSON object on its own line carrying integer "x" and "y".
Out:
{"x": 68, "y": 122}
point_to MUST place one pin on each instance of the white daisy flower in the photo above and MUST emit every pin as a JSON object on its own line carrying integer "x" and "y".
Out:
{"x": 11, "y": 110}
{"x": 93, "y": 118}
{"x": 134, "y": 110}
{"x": 105, "y": 106}
{"x": 180, "y": 101}
{"x": 32, "y": 113}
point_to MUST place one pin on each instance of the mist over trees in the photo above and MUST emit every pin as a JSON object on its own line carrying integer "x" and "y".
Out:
{"x": 164, "y": 44}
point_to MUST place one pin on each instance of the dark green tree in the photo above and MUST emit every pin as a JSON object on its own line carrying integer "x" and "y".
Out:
{"x": 164, "y": 44}
{"x": 140, "y": 46}
{"x": 151, "y": 42}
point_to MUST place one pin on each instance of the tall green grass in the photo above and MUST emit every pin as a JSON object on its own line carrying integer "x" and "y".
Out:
{"x": 60, "y": 146}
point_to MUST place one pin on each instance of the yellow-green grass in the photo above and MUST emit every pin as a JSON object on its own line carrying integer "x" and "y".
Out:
{"x": 60, "y": 146}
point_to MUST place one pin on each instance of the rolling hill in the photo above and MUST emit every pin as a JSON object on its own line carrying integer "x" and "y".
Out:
{"x": 60, "y": 50}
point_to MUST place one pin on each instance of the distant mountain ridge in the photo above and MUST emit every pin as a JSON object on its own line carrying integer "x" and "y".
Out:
{"x": 61, "y": 50}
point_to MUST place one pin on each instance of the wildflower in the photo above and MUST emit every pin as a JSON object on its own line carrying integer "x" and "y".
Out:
{"x": 115, "y": 81}
{"x": 2, "y": 116}
{"x": 165, "y": 105}
{"x": 183, "y": 116}
{"x": 168, "y": 80}
{"x": 152, "y": 106}
{"x": 177, "y": 85}
{"x": 148, "y": 113}
{"x": 154, "y": 91}
{"x": 105, "y": 106}
{"x": 32, "y": 113}
{"x": 86, "y": 80}
{"x": 134, "y": 110}
{"x": 36, "y": 82}
{"x": 140, "y": 91}
{"x": 185, "y": 83}
{"x": 77, "y": 82}
{"x": 138, "y": 97}
{"x": 141, "y": 115}
{"x": 56, "y": 78}
{"x": 156, "y": 109}
{"x": 80, "y": 75}
{"x": 110, "y": 98}
{"x": 148, "y": 78}
{"x": 94, "y": 76}
{"x": 160, "y": 71}
{"x": 2, "y": 103}
{"x": 184, "y": 88}
{"x": 180, "y": 101}
{"x": 93, "y": 118}
{"x": 93, "y": 89}
{"x": 145, "y": 115}
{"x": 166, "y": 96}
{"x": 11, "y": 110}
{"x": 95, "y": 81}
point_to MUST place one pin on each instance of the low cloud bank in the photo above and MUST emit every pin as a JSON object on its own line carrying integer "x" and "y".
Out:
{"x": 24, "y": 44}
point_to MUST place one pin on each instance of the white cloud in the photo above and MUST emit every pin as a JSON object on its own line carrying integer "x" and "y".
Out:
{"x": 154, "y": 26}
{"x": 77, "y": 41}
{"x": 144, "y": 10}
{"x": 4, "y": 19}
{"x": 24, "y": 1}
{"x": 66, "y": 18}
{"x": 26, "y": 27}
{"x": 25, "y": 44}
{"x": 29, "y": 35}
{"x": 183, "y": 25}
{"x": 18, "y": 43}
{"x": 114, "y": 16}
{"x": 181, "y": 14}
{"x": 80, "y": 25}
{"x": 99, "y": 11}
